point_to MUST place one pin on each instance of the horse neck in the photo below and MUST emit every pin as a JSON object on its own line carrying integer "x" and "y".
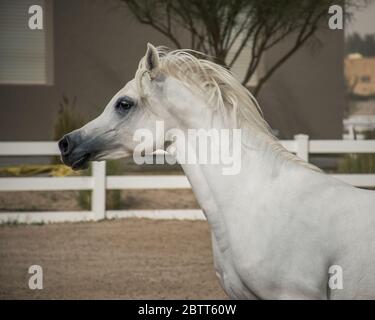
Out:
{"x": 259, "y": 162}
{"x": 215, "y": 191}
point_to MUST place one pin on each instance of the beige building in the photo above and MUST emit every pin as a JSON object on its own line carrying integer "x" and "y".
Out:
{"x": 360, "y": 78}
{"x": 360, "y": 75}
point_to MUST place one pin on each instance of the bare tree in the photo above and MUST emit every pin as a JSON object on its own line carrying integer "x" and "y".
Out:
{"x": 217, "y": 27}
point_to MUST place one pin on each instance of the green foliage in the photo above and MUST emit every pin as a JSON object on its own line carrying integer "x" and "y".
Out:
{"x": 365, "y": 45}
{"x": 114, "y": 168}
{"x": 114, "y": 200}
{"x": 10, "y": 223}
{"x": 84, "y": 199}
{"x": 357, "y": 163}
{"x": 16, "y": 223}
{"x": 68, "y": 119}
{"x": 114, "y": 196}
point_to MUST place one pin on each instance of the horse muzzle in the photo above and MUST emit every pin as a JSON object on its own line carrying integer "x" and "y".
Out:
{"x": 72, "y": 154}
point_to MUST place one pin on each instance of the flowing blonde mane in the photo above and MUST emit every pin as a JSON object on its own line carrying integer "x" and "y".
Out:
{"x": 221, "y": 90}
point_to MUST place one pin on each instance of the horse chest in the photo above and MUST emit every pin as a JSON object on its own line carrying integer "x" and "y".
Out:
{"x": 227, "y": 275}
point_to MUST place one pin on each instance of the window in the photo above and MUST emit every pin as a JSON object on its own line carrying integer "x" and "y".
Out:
{"x": 25, "y": 55}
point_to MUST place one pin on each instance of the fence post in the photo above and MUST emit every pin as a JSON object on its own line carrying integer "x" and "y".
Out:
{"x": 302, "y": 149}
{"x": 98, "y": 191}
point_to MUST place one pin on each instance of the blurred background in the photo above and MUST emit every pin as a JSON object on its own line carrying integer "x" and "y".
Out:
{"x": 308, "y": 78}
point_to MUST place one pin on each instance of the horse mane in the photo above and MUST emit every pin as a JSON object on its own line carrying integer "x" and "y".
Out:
{"x": 221, "y": 90}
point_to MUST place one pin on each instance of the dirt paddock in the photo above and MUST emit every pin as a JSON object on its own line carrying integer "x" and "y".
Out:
{"x": 117, "y": 259}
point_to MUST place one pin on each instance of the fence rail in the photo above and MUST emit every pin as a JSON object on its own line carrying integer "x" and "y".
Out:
{"x": 99, "y": 182}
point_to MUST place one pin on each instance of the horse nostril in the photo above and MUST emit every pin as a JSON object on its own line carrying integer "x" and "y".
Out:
{"x": 65, "y": 145}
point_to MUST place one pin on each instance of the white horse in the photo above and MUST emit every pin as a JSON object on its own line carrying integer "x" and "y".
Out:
{"x": 277, "y": 226}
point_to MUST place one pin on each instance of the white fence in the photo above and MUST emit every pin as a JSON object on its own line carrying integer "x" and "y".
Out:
{"x": 99, "y": 182}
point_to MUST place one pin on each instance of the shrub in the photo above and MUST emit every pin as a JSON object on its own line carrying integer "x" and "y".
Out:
{"x": 359, "y": 162}
{"x": 68, "y": 119}
{"x": 114, "y": 196}
{"x": 84, "y": 199}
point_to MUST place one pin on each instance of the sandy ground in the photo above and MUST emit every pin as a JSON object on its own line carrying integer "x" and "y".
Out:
{"x": 118, "y": 259}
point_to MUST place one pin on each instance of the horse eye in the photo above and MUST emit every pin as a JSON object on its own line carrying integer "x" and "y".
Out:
{"x": 124, "y": 104}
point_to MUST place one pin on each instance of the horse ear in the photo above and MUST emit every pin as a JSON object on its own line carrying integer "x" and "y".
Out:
{"x": 152, "y": 59}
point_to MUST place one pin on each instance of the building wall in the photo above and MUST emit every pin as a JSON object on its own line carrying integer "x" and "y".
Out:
{"x": 97, "y": 46}
{"x": 307, "y": 93}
